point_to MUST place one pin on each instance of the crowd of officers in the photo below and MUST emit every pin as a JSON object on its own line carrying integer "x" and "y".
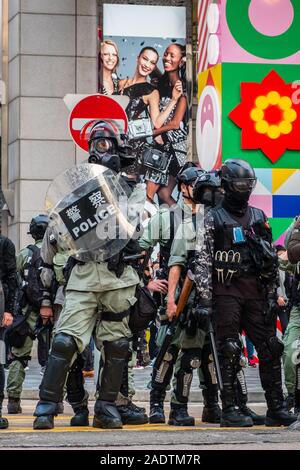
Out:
{"x": 212, "y": 236}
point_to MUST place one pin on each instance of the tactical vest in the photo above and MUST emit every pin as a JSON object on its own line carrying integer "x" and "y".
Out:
{"x": 224, "y": 225}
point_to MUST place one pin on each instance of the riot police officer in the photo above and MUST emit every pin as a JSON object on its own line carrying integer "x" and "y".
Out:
{"x": 106, "y": 288}
{"x": 236, "y": 272}
{"x": 30, "y": 309}
{"x": 8, "y": 301}
{"x": 163, "y": 227}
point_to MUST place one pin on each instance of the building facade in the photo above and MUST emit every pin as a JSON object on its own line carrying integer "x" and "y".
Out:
{"x": 49, "y": 50}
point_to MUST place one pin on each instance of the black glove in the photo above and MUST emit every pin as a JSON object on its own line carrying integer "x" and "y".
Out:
{"x": 202, "y": 315}
{"x": 270, "y": 311}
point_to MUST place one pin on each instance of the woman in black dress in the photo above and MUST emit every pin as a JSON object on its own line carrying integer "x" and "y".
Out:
{"x": 174, "y": 129}
{"x": 144, "y": 100}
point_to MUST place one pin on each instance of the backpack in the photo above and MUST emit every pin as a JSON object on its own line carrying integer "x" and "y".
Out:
{"x": 32, "y": 285}
{"x": 143, "y": 311}
{"x": 17, "y": 333}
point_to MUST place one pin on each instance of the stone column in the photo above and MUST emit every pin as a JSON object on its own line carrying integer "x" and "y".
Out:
{"x": 52, "y": 52}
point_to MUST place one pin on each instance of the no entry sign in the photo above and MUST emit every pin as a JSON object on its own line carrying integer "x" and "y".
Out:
{"x": 91, "y": 109}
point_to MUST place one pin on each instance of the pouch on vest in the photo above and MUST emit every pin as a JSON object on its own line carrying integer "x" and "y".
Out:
{"x": 143, "y": 311}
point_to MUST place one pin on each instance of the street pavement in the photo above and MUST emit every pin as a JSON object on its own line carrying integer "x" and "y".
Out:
{"x": 20, "y": 434}
{"x": 142, "y": 377}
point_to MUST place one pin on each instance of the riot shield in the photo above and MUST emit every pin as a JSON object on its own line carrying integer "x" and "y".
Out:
{"x": 93, "y": 212}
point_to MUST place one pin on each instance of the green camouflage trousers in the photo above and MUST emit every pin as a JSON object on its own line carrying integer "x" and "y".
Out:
{"x": 16, "y": 375}
{"x": 291, "y": 342}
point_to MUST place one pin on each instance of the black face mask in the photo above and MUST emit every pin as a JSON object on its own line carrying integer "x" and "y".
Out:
{"x": 236, "y": 202}
{"x": 212, "y": 198}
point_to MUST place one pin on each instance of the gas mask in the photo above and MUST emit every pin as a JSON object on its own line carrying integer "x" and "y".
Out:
{"x": 103, "y": 152}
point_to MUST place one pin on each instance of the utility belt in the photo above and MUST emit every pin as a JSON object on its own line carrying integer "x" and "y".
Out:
{"x": 116, "y": 263}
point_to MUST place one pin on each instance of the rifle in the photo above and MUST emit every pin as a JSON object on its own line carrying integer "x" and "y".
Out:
{"x": 186, "y": 290}
{"x": 184, "y": 295}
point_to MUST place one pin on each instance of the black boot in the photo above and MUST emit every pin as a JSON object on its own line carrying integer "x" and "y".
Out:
{"x": 140, "y": 409}
{"x": 157, "y": 414}
{"x": 81, "y": 417}
{"x": 277, "y": 414}
{"x": 14, "y": 406}
{"x": 233, "y": 417}
{"x": 270, "y": 374}
{"x": 106, "y": 415}
{"x": 280, "y": 417}
{"x": 211, "y": 411}
{"x": 44, "y": 422}
{"x": 45, "y": 412}
{"x": 242, "y": 399}
{"x": 132, "y": 414}
{"x": 3, "y": 422}
{"x": 230, "y": 353}
{"x": 76, "y": 394}
{"x": 258, "y": 420}
{"x": 179, "y": 416}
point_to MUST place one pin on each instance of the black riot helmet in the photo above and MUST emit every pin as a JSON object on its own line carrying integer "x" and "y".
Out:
{"x": 188, "y": 174}
{"x": 108, "y": 146}
{"x": 38, "y": 226}
{"x": 237, "y": 176}
{"x": 206, "y": 188}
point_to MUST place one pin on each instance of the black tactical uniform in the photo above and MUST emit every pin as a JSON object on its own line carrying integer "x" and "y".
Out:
{"x": 9, "y": 280}
{"x": 192, "y": 355}
{"x": 236, "y": 270}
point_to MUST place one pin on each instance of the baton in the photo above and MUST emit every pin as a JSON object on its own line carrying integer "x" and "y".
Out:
{"x": 215, "y": 355}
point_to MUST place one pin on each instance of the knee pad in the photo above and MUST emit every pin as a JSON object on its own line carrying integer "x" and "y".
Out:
{"x": 117, "y": 349}
{"x": 63, "y": 345}
{"x": 271, "y": 349}
{"x": 230, "y": 349}
{"x": 191, "y": 359}
{"x": 161, "y": 377}
{"x": 63, "y": 349}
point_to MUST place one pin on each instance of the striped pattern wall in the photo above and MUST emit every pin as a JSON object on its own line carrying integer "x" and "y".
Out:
{"x": 202, "y": 35}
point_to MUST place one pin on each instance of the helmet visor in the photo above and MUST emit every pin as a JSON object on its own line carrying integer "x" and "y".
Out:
{"x": 243, "y": 185}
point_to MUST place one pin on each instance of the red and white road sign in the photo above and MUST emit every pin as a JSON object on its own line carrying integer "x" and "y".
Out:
{"x": 93, "y": 108}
